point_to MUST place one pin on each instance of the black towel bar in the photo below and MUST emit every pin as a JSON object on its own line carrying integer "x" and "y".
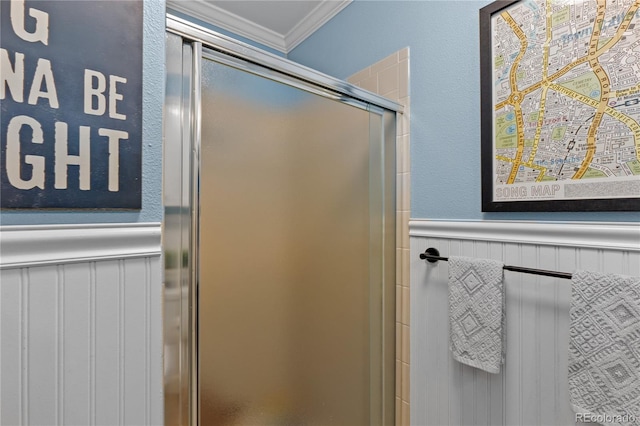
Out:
{"x": 433, "y": 255}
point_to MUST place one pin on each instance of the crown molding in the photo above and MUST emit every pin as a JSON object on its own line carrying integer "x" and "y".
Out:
{"x": 219, "y": 17}
{"x": 284, "y": 43}
{"x": 313, "y": 21}
{"x": 38, "y": 245}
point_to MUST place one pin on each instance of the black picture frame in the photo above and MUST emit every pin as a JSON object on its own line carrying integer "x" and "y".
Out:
{"x": 490, "y": 193}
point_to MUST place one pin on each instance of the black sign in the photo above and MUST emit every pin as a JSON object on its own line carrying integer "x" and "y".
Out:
{"x": 71, "y": 104}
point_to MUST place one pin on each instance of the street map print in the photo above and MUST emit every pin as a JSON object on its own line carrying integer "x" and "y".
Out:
{"x": 566, "y": 100}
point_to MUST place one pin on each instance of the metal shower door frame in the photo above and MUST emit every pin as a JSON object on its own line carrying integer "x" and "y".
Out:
{"x": 187, "y": 43}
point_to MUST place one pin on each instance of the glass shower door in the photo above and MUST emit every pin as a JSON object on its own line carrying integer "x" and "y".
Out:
{"x": 291, "y": 228}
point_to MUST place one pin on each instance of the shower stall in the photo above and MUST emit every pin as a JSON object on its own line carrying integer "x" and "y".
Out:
{"x": 279, "y": 239}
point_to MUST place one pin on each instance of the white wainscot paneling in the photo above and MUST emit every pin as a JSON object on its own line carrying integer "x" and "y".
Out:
{"x": 532, "y": 388}
{"x": 81, "y": 328}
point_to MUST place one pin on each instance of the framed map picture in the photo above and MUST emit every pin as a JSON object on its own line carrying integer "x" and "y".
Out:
{"x": 560, "y": 105}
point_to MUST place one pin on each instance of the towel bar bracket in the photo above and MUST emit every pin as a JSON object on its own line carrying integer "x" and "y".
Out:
{"x": 431, "y": 255}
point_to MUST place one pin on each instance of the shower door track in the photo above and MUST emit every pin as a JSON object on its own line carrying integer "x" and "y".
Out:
{"x": 332, "y": 87}
{"x": 181, "y": 249}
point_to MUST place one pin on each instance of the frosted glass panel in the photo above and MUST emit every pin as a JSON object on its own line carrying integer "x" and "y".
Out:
{"x": 285, "y": 318}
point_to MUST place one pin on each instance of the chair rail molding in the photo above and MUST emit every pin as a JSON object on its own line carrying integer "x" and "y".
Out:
{"x": 602, "y": 235}
{"x": 37, "y": 245}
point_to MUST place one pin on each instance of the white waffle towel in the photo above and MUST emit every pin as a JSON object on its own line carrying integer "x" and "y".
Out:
{"x": 476, "y": 312}
{"x": 604, "y": 350}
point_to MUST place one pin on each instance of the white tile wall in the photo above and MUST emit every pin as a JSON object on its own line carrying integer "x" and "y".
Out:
{"x": 389, "y": 77}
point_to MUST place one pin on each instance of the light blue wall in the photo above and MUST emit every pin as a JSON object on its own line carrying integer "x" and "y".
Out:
{"x": 153, "y": 98}
{"x": 443, "y": 37}
{"x": 445, "y": 104}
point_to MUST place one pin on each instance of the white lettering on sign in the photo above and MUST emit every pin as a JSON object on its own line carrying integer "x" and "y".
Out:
{"x": 41, "y": 33}
{"x": 95, "y": 84}
{"x": 114, "y": 155}
{"x": 13, "y": 153}
{"x": 12, "y": 76}
{"x": 63, "y": 159}
{"x": 91, "y": 92}
{"x": 43, "y": 74}
{"x": 114, "y": 96}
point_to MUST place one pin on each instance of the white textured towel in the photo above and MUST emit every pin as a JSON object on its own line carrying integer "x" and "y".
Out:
{"x": 476, "y": 312}
{"x": 604, "y": 350}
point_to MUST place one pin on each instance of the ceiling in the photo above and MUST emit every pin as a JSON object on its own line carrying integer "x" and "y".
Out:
{"x": 279, "y": 24}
